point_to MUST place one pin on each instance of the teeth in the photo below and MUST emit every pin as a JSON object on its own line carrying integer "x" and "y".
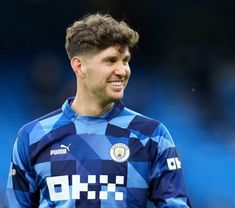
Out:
{"x": 117, "y": 83}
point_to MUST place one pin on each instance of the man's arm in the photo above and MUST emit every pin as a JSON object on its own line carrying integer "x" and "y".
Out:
{"x": 167, "y": 186}
{"x": 21, "y": 191}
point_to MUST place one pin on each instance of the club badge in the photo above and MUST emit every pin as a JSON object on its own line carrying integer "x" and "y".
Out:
{"x": 119, "y": 152}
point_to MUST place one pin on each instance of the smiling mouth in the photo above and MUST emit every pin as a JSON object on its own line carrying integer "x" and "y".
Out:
{"x": 116, "y": 83}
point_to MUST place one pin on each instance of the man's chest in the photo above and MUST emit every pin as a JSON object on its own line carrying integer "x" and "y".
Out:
{"x": 91, "y": 167}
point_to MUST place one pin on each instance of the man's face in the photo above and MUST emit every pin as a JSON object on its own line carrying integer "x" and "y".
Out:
{"x": 107, "y": 74}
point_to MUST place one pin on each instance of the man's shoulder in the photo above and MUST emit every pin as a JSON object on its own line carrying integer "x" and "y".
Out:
{"x": 136, "y": 122}
{"x": 40, "y": 122}
{"x": 144, "y": 126}
{"x": 143, "y": 119}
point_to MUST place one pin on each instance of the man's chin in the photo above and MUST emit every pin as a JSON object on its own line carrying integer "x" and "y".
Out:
{"x": 116, "y": 98}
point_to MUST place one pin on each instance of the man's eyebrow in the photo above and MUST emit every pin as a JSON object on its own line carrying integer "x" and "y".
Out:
{"x": 110, "y": 57}
{"x": 116, "y": 56}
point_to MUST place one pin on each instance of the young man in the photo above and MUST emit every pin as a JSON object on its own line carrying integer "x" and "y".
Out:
{"x": 94, "y": 152}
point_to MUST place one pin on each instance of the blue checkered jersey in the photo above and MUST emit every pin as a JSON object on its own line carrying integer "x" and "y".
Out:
{"x": 121, "y": 159}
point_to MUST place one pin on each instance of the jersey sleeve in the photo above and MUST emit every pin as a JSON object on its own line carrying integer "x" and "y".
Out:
{"x": 21, "y": 191}
{"x": 167, "y": 186}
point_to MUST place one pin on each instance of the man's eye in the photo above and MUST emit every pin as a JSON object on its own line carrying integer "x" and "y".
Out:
{"x": 111, "y": 61}
{"x": 125, "y": 62}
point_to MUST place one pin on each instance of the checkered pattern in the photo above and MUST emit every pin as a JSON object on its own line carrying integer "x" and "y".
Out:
{"x": 111, "y": 187}
{"x": 86, "y": 175}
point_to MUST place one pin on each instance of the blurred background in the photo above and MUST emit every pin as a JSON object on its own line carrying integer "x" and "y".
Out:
{"x": 183, "y": 74}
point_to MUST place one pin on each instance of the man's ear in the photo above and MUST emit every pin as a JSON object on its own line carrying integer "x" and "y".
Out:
{"x": 77, "y": 65}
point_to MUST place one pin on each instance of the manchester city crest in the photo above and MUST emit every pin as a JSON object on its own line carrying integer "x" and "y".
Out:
{"x": 120, "y": 152}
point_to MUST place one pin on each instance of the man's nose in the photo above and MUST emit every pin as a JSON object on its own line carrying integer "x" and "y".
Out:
{"x": 121, "y": 69}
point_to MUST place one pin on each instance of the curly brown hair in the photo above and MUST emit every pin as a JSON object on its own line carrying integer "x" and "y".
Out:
{"x": 97, "y": 32}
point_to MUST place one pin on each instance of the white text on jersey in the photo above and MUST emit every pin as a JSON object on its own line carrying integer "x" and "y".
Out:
{"x": 65, "y": 193}
{"x": 173, "y": 163}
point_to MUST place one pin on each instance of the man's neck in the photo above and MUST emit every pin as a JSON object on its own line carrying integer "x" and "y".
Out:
{"x": 85, "y": 108}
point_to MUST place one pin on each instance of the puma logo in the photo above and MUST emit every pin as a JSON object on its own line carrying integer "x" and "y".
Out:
{"x": 66, "y": 147}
